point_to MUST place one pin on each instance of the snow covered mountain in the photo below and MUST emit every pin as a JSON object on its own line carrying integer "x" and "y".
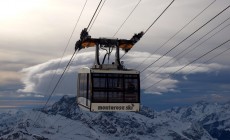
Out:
{"x": 214, "y": 118}
{"x": 65, "y": 120}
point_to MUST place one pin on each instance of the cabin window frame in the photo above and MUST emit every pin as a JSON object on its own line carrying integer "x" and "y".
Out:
{"x": 111, "y": 93}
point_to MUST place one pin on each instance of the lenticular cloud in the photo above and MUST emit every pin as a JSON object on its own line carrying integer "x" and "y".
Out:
{"x": 41, "y": 79}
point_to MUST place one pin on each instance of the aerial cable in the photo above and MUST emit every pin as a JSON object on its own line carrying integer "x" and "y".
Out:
{"x": 72, "y": 55}
{"x": 97, "y": 15}
{"x": 190, "y": 50}
{"x": 66, "y": 48}
{"x": 186, "y": 38}
{"x": 123, "y": 55}
{"x": 125, "y": 21}
{"x": 173, "y": 58}
{"x": 189, "y": 63}
{"x": 154, "y": 21}
{"x": 75, "y": 26}
{"x": 56, "y": 85}
{"x": 158, "y": 17}
{"x": 94, "y": 15}
{"x": 69, "y": 67}
{"x": 69, "y": 109}
{"x": 210, "y": 59}
{"x": 175, "y": 34}
{"x": 68, "y": 41}
{"x": 126, "y": 18}
{"x": 206, "y": 40}
{"x": 67, "y": 64}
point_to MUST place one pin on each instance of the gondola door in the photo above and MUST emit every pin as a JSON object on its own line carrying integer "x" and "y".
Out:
{"x": 84, "y": 89}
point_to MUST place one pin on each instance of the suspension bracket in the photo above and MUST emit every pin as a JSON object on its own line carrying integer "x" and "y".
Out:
{"x": 86, "y": 41}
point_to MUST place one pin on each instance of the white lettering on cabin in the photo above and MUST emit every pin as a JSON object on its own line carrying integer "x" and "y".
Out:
{"x": 110, "y": 107}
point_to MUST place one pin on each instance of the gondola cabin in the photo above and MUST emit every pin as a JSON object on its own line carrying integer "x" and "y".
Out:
{"x": 108, "y": 87}
{"x": 109, "y": 90}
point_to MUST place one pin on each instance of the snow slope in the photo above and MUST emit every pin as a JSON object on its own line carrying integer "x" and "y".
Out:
{"x": 65, "y": 120}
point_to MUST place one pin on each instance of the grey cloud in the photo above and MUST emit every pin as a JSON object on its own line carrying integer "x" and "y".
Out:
{"x": 37, "y": 78}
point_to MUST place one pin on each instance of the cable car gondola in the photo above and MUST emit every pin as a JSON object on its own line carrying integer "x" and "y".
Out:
{"x": 108, "y": 87}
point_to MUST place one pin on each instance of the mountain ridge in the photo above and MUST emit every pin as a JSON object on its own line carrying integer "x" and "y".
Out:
{"x": 64, "y": 120}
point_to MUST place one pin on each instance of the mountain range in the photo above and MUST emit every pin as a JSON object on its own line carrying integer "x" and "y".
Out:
{"x": 64, "y": 120}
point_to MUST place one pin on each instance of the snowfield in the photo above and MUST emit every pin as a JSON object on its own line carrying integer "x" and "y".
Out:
{"x": 64, "y": 120}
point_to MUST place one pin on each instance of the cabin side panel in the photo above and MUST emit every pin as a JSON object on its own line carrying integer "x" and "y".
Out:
{"x": 84, "y": 92}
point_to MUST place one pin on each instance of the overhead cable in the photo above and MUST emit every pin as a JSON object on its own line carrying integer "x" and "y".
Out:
{"x": 176, "y": 56}
{"x": 185, "y": 39}
{"x": 75, "y": 26}
{"x": 94, "y": 14}
{"x": 215, "y": 56}
{"x": 155, "y": 21}
{"x": 71, "y": 57}
{"x": 189, "y": 63}
{"x": 175, "y": 34}
{"x": 62, "y": 58}
{"x": 67, "y": 66}
{"x": 158, "y": 17}
{"x": 127, "y": 18}
{"x": 56, "y": 85}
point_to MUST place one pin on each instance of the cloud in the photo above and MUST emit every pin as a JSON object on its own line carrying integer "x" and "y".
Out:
{"x": 7, "y": 77}
{"x": 194, "y": 68}
{"x": 37, "y": 79}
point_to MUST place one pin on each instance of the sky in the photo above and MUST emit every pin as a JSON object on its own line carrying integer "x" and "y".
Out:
{"x": 34, "y": 34}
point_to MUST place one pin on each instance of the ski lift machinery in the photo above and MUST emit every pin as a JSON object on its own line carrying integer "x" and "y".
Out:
{"x": 108, "y": 87}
